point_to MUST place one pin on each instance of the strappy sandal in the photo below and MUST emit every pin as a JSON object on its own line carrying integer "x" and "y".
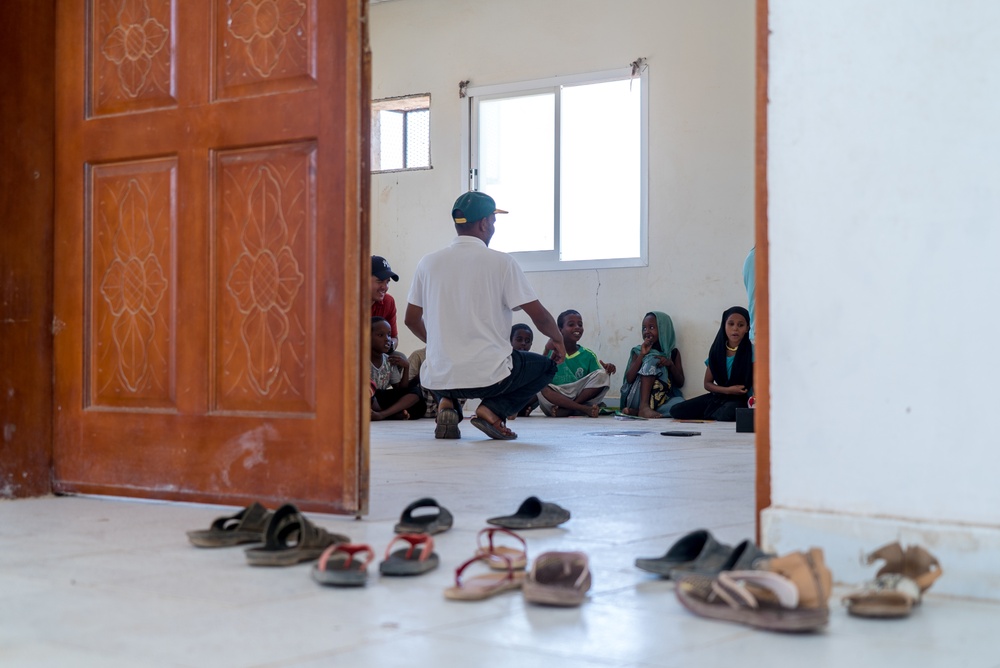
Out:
{"x": 338, "y": 565}
{"x": 502, "y": 557}
{"x": 291, "y": 539}
{"x": 558, "y": 578}
{"x": 481, "y": 587}
{"x": 246, "y": 526}
{"x": 898, "y": 585}
{"x": 498, "y": 430}
{"x": 788, "y": 593}
{"x": 406, "y": 561}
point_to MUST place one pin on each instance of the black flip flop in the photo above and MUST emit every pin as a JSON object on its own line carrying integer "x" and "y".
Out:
{"x": 533, "y": 514}
{"x": 431, "y": 523}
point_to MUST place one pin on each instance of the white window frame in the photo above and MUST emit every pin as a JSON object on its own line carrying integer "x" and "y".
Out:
{"x": 549, "y": 260}
{"x": 403, "y": 104}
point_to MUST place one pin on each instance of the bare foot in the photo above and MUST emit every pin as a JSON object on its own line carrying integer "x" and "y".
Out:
{"x": 628, "y": 411}
{"x": 376, "y": 416}
{"x": 593, "y": 411}
{"x": 401, "y": 415}
{"x": 649, "y": 413}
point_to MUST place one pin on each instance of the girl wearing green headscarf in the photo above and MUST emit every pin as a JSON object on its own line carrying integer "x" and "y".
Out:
{"x": 655, "y": 373}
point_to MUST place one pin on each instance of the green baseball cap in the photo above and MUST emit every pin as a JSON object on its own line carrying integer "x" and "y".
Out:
{"x": 473, "y": 206}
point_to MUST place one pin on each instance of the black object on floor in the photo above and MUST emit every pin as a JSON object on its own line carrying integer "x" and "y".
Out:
{"x": 744, "y": 420}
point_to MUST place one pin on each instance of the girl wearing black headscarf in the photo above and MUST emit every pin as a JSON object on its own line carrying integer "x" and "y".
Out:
{"x": 728, "y": 372}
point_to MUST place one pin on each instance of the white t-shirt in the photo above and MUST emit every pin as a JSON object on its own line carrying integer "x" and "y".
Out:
{"x": 468, "y": 293}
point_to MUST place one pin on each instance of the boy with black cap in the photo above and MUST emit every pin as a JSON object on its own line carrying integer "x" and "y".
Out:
{"x": 383, "y": 305}
{"x": 461, "y": 304}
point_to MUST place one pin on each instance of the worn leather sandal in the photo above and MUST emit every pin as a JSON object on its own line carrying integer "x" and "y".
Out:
{"x": 558, "y": 578}
{"x": 898, "y": 586}
{"x": 787, "y": 593}
{"x": 291, "y": 539}
{"x": 433, "y": 522}
{"x": 498, "y": 430}
{"x": 246, "y": 526}
{"x": 698, "y": 550}
{"x": 446, "y": 421}
{"x": 533, "y": 514}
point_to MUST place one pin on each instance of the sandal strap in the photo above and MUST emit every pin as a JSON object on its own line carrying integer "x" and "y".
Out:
{"x": 489, "y": 532}
{"x": 483, "y": 557}
{"x": 731, "y": 587}
{"x": 350, "y": 549}
{"x": 414, "y": 539}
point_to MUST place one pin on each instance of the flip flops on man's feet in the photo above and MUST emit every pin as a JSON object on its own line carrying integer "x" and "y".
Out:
{"x": 496, "y": 430}
{"x": 447, "y": 420}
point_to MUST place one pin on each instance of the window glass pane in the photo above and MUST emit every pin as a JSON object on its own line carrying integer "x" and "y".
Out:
{"x": 517, "y": 169}
{"x": 418, "y": 138}
{"x": 390, "y": 139}
{"x": 600, "y": 171}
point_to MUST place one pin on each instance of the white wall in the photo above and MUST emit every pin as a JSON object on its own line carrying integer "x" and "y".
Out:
{"x": 884, "y": 224}
{"x": 701, "y": 83}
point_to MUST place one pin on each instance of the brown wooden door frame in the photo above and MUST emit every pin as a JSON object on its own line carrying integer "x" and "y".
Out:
{"x": 27, "y": 68}
{"x": 762, "y": 327}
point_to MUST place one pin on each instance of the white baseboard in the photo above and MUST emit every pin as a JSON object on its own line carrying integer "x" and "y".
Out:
{"x": 969, "y": 554}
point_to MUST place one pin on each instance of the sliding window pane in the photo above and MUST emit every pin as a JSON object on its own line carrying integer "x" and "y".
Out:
{"x": 517, "y": 168}
{"x": 600, "y": 171}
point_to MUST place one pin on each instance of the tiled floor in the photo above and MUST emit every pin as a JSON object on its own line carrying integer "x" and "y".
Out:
{"x": 111, "y": 582}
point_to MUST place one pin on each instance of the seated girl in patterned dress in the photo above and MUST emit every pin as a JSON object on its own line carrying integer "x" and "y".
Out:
{"x": 654, "y": 375}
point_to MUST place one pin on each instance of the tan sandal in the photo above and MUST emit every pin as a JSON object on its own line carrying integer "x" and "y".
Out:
{"x": 481, "y": 587}
{"x": 788, "y": 593}
{"x": 898, "y": 585}
{"x": 502, "y": 557}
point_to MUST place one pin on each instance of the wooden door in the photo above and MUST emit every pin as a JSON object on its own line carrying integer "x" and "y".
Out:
{"x": 209, "y": 282}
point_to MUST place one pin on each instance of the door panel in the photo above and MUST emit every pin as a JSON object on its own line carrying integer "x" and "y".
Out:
{"x": 209, "y": 279}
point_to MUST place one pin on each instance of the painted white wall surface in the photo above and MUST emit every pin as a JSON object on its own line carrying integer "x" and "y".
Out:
{"x": 701, "y": 82}
{"x": 884, "y": 224}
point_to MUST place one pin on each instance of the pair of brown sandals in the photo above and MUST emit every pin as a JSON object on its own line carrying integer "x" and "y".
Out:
{"x": 791, "y": 593}
{"x": 289, "y": 537}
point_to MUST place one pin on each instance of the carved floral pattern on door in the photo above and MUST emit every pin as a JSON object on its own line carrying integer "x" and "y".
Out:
{"x": 265, "y": 46}
{"x": 131, "y": 56}
{"x": 267, "y": 197}
{"x": 131, "y": 256}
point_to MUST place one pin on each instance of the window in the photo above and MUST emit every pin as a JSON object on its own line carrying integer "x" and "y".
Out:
{"x": 401, "y": 133}
{"x": 567, "y": 157}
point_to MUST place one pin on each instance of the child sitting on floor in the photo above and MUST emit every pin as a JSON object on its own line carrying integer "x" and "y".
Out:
{"x": 581, "y": 380}
{"x": 395, "y": 397}
{"x": 728, "y": 372}
{"x": 655, "y": 372}
{"x": 521, "y": 338}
